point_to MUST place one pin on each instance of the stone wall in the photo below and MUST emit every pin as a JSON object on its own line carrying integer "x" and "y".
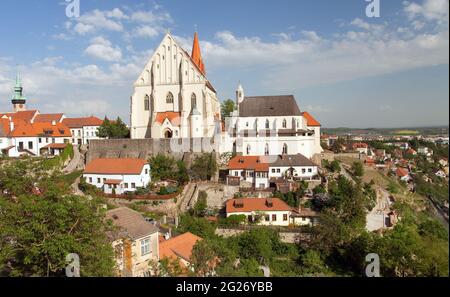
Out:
{"x": 144, "y": 148}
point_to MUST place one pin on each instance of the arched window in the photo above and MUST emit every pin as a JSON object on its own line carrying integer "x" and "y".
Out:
{"x": 266, "y": 151}
{"x": 267, "y": 124}
{"x": 285, "y": 149}
{"x": 146, "y": 103}
{"x": 169, "y": 98}
{"x": 248, "y": 149}
{"x": 284, "y": 123}
{"x": 193, "y": 100}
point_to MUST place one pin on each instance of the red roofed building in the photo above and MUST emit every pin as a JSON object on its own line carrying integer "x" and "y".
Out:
{"x": 360, "y": 147}
{"x": 179, "y": 248}
{"x": 403, "y": 174}
{"x": 83, "y": 129}
{"x": 117, "y": 176}
{"x": 264, "y": 211}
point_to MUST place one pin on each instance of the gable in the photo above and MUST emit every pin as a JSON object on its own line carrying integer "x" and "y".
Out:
{"x": 169, "y": 61}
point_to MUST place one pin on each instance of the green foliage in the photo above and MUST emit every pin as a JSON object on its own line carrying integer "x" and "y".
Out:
{"x": 227, "y": 107}
{"x": 204, "y": 166}
{"x": 320, "y": 189}
{"x": 182, "y": 173}
{"x": 201, "y": 204}
{"x": 233, "y": 221}
{"x": 115, "y": 129}
{"x": 357, "y": 169}
{"x": 203, "y": 258}
{"x": 162, "y": 167}
{"x": 197, "y": 225}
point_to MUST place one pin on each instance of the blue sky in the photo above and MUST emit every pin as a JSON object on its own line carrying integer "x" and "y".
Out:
{"x": 345, "y": 68}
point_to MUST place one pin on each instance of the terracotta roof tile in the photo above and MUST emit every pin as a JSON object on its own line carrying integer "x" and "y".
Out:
{"x": 48, "y": 118}
{"x": 27, "y": 129}
{"x": 257, "y": 163}
{"x": 310, "y": 120}
{"x": 174, "y": 117}
{"x": 115, "y": 166}
{"x": 255, "y": 204}
{"x": 82, "y": 122}
{"x": 179, "y": 246}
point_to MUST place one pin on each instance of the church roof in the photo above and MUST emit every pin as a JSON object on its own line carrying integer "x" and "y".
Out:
{"x": 196, "y": 54}
{"x": 310, "y": 120}
{"x": 271, "y": 106}
{"x": 173, "y": 117}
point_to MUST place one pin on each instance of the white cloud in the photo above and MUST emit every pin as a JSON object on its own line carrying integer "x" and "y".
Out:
{"x": 146, "y": 32}
{"x": 96, "y": 20}
{"x": 151, "y": 17}
{"x": 430, "y": 9}
{"x": 103, "y": 49}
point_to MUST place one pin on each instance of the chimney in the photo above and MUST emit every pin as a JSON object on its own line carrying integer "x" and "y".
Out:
{"x": 53, "y": 123}
{"x": 11, "y": 124}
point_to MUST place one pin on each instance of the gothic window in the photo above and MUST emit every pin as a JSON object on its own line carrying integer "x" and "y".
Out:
{"x": 285, "y": 149}
{"x": 248, "y": 149}
{"x": 266, "y": 151}
{"x": 147, "y": 103}
{"x": 169, "y": 98}
{"x": 284, "y": 123}
{"x": 267, "y": 124}
{"x": 193, "y": 100}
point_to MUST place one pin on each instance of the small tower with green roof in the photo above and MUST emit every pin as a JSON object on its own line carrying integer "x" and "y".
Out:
{"x": 18, "y": 100}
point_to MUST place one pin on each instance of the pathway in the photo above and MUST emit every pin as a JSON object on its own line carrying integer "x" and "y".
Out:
{"x": 73, "y": 164}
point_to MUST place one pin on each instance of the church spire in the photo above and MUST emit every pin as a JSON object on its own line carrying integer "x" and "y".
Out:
{"x": 18, "y": 100}
{"x": 196, "y": 54}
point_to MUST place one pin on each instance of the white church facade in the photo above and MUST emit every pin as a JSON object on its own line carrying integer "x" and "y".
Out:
{"x": 270, "y": 125}
{"x": 172, "y": 97}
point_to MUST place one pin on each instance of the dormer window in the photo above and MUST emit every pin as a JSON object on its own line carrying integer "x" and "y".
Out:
{"x": 269, "y": 202}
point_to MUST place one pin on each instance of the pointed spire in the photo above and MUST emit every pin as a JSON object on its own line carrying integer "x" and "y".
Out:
{"x": 196, "y": 54}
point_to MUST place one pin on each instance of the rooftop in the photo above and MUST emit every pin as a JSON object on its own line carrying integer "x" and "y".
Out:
{"x": 131, "y": 222}
{"x": 115, "y": 166}
{"x": 256, "y": 204}
{"x": 261, "y": 106}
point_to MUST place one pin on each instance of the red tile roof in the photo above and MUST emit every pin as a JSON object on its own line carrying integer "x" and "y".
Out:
{"x": 174, "y": 117}
{"x": 179, "y": 246}
{"x": 113, "y": 181}
{"x": 359, "y": 145}
{"x": 115, "y": 166}
{"x": 48, "y": 118}
{"x": 26, "y": 115}
{"x": 401, "y": 172}
{"x": 310, "y": 120}
{"x": 82, "y": 122}
{"x": 56, "y": 145}
{"x": 257, "y": 163}
{"x": 26, "y": 129}
{"x": 255, "y": 204}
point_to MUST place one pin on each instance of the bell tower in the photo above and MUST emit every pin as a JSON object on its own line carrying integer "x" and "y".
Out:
{"x": 18, "y": 100}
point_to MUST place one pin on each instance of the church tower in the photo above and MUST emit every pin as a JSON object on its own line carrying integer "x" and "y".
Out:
{"x": 239, "y": 95}
{"x": 18, "y": 100}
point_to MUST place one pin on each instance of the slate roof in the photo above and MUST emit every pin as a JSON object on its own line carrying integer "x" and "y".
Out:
{"x": 130, "y": 222}
{"x": 270, "y": 106}
{"x": 292, "y": 160}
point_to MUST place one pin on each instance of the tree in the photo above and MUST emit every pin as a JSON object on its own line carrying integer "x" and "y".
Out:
{"x": 162, "y": 167}
{"x": 182, "y": 173}
{"x": 197, "y": 225}
{"x": 227, "y": 107}
{"x": 113, "y": 130}
{"x": 312, "y": 263}
{"x": 204, "y": 166}
{"x": 357, "y": 169}
{"x": 38, "y": 232}
{"x": 335, "y": 166}
{"x": 201, "y": 204}
{"x": 203, "y": 258}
